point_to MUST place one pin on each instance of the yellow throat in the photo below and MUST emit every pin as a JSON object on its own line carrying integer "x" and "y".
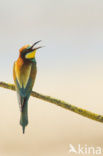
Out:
{"x": 31, "y": 55}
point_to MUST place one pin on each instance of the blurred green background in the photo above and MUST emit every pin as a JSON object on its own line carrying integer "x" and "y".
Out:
{"x": 70, "y": 68}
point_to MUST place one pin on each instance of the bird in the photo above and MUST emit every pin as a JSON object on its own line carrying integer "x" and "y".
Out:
{"x": 24, "y": 74}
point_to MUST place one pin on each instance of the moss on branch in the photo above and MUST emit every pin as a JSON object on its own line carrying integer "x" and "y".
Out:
{"x": 60, "y": 103}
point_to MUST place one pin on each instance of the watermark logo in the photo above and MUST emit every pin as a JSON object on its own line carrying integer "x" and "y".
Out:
{"x": 85, "y": 150}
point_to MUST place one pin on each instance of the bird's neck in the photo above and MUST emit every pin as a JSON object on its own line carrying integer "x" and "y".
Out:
{"x": 27, "y": 60}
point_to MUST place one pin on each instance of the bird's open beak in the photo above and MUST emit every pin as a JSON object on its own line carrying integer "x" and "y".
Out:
{"x": 32, "y": 51}
{"x": 35, "y": 48}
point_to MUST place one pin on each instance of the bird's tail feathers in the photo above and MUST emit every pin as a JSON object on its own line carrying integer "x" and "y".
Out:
{"x": 24, "y": 115}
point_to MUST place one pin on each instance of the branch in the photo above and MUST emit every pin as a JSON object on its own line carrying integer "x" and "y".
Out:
{"x": 60, "y": 103}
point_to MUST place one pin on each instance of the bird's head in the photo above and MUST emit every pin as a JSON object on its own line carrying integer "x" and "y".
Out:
{"x": 28, "y": 52}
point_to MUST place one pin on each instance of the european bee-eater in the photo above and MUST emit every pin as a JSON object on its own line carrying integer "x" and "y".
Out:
{"x": 24, "y": 74}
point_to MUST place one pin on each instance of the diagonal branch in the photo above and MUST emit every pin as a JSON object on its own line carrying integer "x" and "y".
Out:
{"x": 60, "y": 103}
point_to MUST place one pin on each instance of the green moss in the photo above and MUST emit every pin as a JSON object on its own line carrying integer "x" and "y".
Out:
{"x": 60, "y": 103}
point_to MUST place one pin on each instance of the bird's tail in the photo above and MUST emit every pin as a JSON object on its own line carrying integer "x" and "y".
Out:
{"x": 24, "y": 116}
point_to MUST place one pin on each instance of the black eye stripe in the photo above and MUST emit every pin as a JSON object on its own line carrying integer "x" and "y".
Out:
{"x": 27, "y": 50}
